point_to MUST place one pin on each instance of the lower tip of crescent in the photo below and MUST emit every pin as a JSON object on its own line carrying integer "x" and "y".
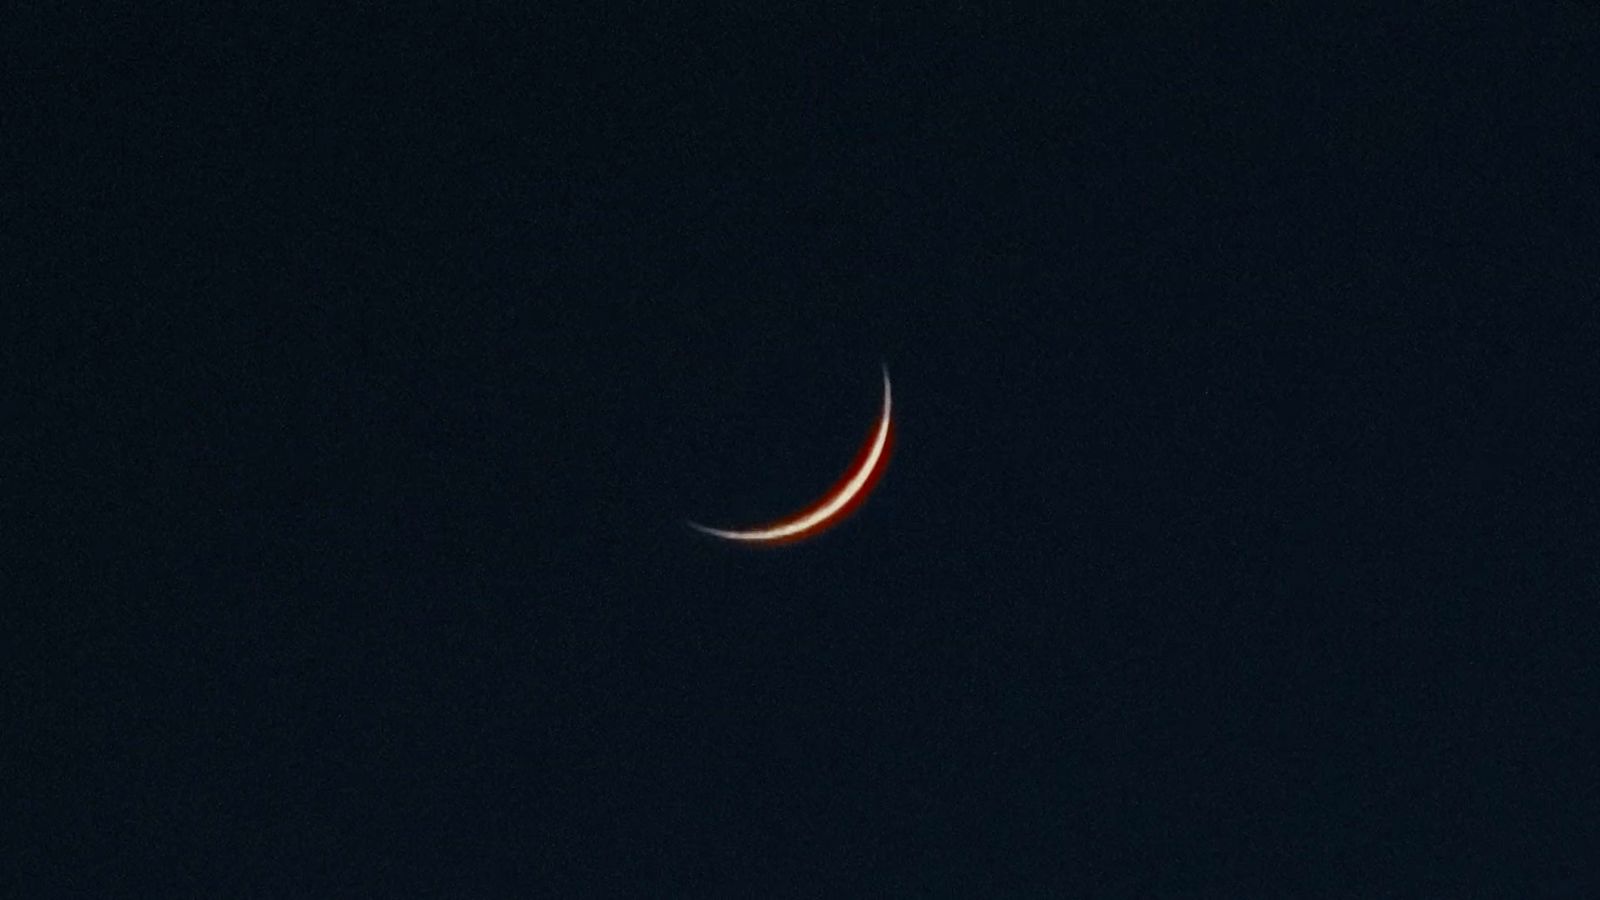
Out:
{"x": 707, "y": 529}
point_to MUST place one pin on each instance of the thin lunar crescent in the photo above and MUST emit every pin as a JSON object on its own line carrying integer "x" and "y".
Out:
{"x": 846, "y": 495}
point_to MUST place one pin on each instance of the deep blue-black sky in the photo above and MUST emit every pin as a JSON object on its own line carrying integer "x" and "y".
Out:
{"x": 1238, "y": 539}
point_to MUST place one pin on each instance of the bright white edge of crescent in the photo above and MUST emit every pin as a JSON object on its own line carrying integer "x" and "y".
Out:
{"x": 835, "y": 503}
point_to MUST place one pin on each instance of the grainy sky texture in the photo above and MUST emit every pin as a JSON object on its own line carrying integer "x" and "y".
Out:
{"x": 1239, "y": 538}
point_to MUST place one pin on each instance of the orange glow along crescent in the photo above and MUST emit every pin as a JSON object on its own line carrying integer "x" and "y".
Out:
{"x": 834, "y": 506}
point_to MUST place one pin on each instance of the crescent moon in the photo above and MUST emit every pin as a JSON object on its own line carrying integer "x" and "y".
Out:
{"x": 840, "y": 501}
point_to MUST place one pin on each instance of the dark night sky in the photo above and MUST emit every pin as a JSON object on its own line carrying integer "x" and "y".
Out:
{"x": 1240, "y": 538}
